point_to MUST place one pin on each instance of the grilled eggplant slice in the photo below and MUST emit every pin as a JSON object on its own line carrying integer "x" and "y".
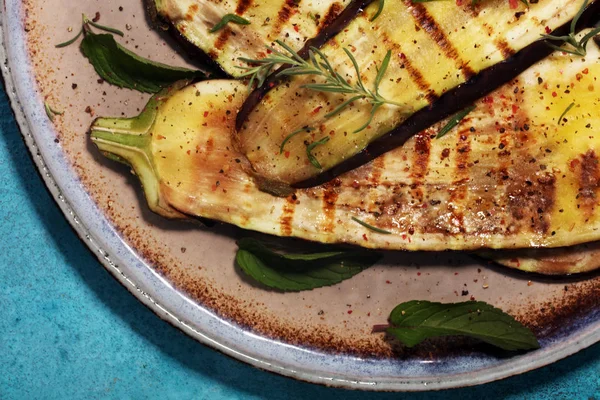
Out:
{"x": 293, "y": 22}
{"x": 435, "y": 47}
{"x": 517, "y": 172}
{"x": 559, "y": 261}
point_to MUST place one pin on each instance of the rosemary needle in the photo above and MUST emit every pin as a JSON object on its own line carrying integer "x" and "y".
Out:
{"x": 371, "y": 227}
{"x": 565, "y": 112}
{"x": 291, "y": 135}
{"x": 454, "y": 121}
{"x": 229, "y": 18}
{"x": 85, "y": 28}
{"x": 313, "y": 160}
{"x": 50, "y": 112}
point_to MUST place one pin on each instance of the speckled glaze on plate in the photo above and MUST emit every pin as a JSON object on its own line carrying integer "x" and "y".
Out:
{"x": 185, "y": 272}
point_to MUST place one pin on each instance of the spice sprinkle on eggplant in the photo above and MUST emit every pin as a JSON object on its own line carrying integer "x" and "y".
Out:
{"x": 435, "y": 47}
{"x": 516, "y": 172}
{"x": 294, "y": 22}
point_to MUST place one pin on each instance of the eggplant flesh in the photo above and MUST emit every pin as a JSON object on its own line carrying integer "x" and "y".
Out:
{"x": 512, "y": 174}
{"x": 435, "y": 47}
{"x": 293, "y": 22}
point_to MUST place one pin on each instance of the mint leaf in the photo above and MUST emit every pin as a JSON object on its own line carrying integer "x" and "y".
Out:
{"x": 297, "y": 272}
{"x": 415, "y": 321}
{"x": 120, "y": 67}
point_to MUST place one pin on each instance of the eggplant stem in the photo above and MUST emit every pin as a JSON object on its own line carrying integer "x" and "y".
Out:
{"x": 129, "y": 141}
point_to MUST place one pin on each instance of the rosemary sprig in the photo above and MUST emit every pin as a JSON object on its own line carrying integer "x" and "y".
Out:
{"x": 317, "y": 64}
{"x": 578, "y": 47}
{"x": 85, "y": 26}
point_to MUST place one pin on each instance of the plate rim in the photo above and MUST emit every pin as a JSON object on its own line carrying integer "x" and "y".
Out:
{"x": 583, "y": 338}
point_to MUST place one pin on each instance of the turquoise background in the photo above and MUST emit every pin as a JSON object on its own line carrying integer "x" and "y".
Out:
{"x": 68, "y": 330}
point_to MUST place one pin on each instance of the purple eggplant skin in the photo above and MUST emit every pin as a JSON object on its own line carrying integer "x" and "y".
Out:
{"x": 455, "y": 100}
{"x": 202, "y": 59}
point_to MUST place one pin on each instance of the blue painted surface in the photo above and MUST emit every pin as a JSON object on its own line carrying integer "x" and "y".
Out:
{"x": 69, "y": 330}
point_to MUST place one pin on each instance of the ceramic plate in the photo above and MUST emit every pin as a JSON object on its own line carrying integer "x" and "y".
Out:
{"x": 185, "y": 273}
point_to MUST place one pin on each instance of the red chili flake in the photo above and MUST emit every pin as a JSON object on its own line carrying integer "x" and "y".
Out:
{"x": 586, "y": 71}
{"x": 296, "y": 28}
{"x": 554, "y": 94}
{"x": 488, "y": 100}
{"x": 269, "y": 51}
{"x": 369, "y": 314}
{"x": 214, "y": 188}
{"x": 316, "y": 110}
{"x": 349, "y": 311}
{"x": 404, "y": 237}
{"x": 579, "y": 77}
{"x": 188, "y": 152}
{"x": 456, "y": 273}
{"x": 355, "y": 184}
{"x": 472, "y": 298}
{"x": 513, "y": 3}
{"x": 516, "y": 261}
{"x": 271, "y": 84}
{"x": 402, "y": 56}
{"x": 418, "y": 274}
{"x": 365, "y": 237}
{"x": 515, "y": 108}
{"x": 287, "y": 154}
{"x": 548, "y": 30}
{"x": 388, "y": 282}
{"x": 574, "y": 163}
{"x": 160, "y": 137}
{"x": 205, "y": 114}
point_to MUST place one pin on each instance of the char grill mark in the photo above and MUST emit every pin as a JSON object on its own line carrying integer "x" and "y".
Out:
{"x": 222, "y": 38}
{"x": 330, "y": 197}
{"x": 430, "y": 25}
{"x": 334, "y": 11}
{"x": 243, "y": 6}
{"x": 501, "y": 44}
{"x": 460, "y": 193}
{"x": 420, "y": 164}
{"x": 414, "y": 73}
{"x": 505, "y": 49}
{"x": 529, "y": 203}
{"x": 504, "y": 160}
{"x": 378, "y": 168}
{"x": 284, "y": 15}
{"x": 530, "y": 187}
{"x": 588, "y": 172}
{"x": 287, "y": 217}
